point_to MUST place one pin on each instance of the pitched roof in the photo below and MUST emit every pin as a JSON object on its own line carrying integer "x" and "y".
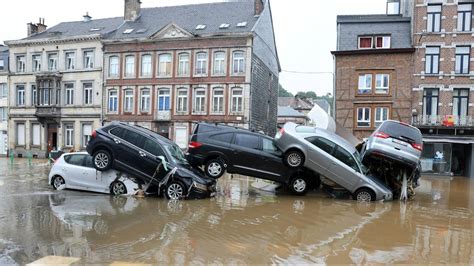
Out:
{"x": 286, "y": 111}
{"x": 295, "y": 102}
{"x": 371, "y": 18}
{"x": 323, "y": 104}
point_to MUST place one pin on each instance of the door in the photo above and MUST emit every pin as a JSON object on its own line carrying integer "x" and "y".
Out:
{"x": 52, "y": 137}
{"x": 74, "y": 171}
{"x": 3, "y": 142}
{"x": 150, "y": 160}
{"x": 273, "y": 162}
{"x": 181, "y": 137}
{"x": 97, "y": 180}
{"x": 247, "y": 155}
{"x": 430, "y": 106}
{"x": 345, "y": 169}
{"x": 128, "y": 153}
{"x": 320, "y": 156}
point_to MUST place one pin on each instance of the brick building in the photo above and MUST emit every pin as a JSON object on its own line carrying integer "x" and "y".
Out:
{"x": 443, "y": 84}
{"x": 374, "y": 66}
{"x": 168, "y": 67}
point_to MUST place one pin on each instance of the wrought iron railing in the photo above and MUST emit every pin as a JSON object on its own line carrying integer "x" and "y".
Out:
{"x": 443, "y": 121}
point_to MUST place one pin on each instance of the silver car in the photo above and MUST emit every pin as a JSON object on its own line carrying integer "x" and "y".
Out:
{"x": 332, "y": 157}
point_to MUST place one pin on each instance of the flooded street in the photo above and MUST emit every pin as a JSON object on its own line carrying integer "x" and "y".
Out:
{"x": 240, "y": 225}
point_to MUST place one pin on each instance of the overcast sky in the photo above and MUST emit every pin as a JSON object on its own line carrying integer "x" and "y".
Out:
{"x": 305, "y": 29}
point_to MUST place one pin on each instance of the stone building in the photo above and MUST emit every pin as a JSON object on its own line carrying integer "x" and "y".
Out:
{"x": 168, "y": 67}
{"x": 374, "y": 66}
{"x": 443, "y": 84}
{"x": 55, "y": 86}
{"x": 3, "y": 100}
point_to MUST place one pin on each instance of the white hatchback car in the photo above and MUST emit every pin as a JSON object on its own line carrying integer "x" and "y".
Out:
{"x": 76, "y": 171}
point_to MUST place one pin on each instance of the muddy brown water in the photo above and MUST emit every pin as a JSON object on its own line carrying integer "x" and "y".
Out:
{"x": 240, "y": 225}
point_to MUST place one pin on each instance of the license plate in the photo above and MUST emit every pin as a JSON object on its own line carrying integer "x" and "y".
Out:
{"x": 399, "y": 142}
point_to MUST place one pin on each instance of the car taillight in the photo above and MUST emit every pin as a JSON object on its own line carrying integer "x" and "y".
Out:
{"x": 94, "y": 134}
{"x": 282, "y": 131}
{"x": 381, "y": 135}
{"x": 417, "y": 146}
{"x": 194, "y": 145}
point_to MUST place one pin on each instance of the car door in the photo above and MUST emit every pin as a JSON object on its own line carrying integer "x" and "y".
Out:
{"x": 131, "y": 153}
{"x": 150, "y": 161}
{"x": 96, "y": 180}
{"x": 73, "y": 170}
{"x": 272, "y": 162}
{"x": 345, "y": 168}
{"x": 246, "y": 154}
{"x": 320, "y": 156}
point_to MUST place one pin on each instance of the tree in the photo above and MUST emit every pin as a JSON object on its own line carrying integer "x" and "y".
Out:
{"x": 283, "y": 93}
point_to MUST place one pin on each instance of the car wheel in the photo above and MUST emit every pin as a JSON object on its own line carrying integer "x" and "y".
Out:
{"x": 215, "y": 168}
{"x": 299, "y": 185}
{"x": 294, "y": 159}
{"x": 57, "y": 182}
{"x": 102, "y": 160}
{"x": 175, "y": 190}
{"x": 118, "y": 188}
{"x": 364, "y": 195}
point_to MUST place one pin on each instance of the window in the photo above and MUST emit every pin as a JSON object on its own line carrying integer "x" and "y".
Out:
{"x": 218, "y": 100}
{"x": 163, "y": 100}
{"x": 36, "y": 132}
{"x": 219, "y": 63}
{"x": 238, "y": 62}
{"x": 132, "y": 137}
{"x": 20, "y": 134}
{"x": 226, "y": 137}
{"x": 365, "y": 84}
{"x": 34, "y": 95}
{"x": 129, "y": 66}
{"x": 346, "y": 158}
{"x": 393, "y": 7}
{"x": 21, "y": 64}
{"x": 434, "y": 18}
{"x": 3, "y": 90}
{"x": 201, "y": 63}
{"x": 88, "y": 94}
{"x": 114, "y": 66}
{"x": 2, "y": 64}
{"x": 145, "y": 101}
{"x": 430, "y": 104}
{"x": 20, "y": 95}
{"x": 3, "y": 114}
{"x": 128, "y": 102}
{"x": 382, "y": 42}
{"x": 70, "y": 60}
{"x": 75, "y": 159}
{"x": 237, "y": 100}
{"x": 36, "y": 63}
{"x": 322, "y": 143}
{"x": 432, "y": 59}
{"x": 462, "y": 59}
{"x": 58, "y": 96}
{"x": 363, "y": 117}
{"x": 182, "y": 101}
{"x": 164, "y": 65}
{"x": 183, "y": 65}
{"x": 365, "y": 42}
{"x": 152, "y": 147}
{"x": 69, "y": 93}
{"x": 86, "y": 134}
{"x": 381, "y": 114}
{"x": 464, "y": 17}
{"x": 199, "y": 100}
{"x": 112, "y": 105}
{"x": 89, "y": 59}
{"x": 247, "y": 141}
{"x": 382, "y": 83}
{"x": 53, "y": 62}
{"x": 460, "y": 103}
{"x": 146, "y": 65}
{"x": 45, "y": 98}
{"x": 68, "y": 135}
{"x": 268, "y": 145}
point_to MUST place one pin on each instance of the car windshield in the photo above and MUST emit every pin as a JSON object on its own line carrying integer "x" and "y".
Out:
{"x": 176, "y": 153}
{"x": 359, "y": 162}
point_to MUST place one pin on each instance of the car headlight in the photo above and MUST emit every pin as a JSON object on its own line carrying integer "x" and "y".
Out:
{"x": 200, "y": 186}
{"x": 388, "y": 196}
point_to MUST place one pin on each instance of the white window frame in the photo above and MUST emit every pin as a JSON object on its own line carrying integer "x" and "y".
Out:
{"x": 3, "y": 113}
{"x": 145, "y": 100}
{"x": 219, "y": 99}
{"x": 35, "y": 126}
{"x": 36, "y": 63}
{"x": 464, "y": 22}
{"x": 20, "y": 95}
{"x": 114, "y": 69}
{"x": 69, "y": 94}
{"x": 129, "y": 66}
{"x": 363, "y": 120}
{"x": 433, "y": 17}
{"x": 462, "y": 62}
{"x": 200, "y": 69}
{"x": 88, "y": 59}
{"x": 70, "y": 60}
{"x": 363, "y": 80}
{"x": 183, "y": 65}
{"x": 3, "y": 90}
{"x": 88, "y": 95}
{"x": 69, "y": 135}
{"x": 86, "y": 134}
{"x": 365, "y": 37}
{"x": 128, "y": 100}
{"x": 386, "y": 42}
{"x": 34, "y": 95}
{"x": 52, "y": 61}
{"x": 379, "y": 115}
{"x": 21, "y": 63}
{"x": 165, "y": 64}
{"x": 383, "y": 88}
{"x": 20, "y": 138}
{"x": 182, "y": 101}
{"x": 165, "y": 94}
{"x": 237, "y": 100}
{"x": 115, "y": 103}
{"x": 219, "y": 65}
{"x": 238, "y": 62}
{"x": 199, "y": 100}
{"x": 146, "y": 69}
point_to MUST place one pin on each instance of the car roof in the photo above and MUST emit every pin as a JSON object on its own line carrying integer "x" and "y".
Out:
{"x": 144, "y": 130}
{"x": 75, "y": 153}
{"x": 230, "y": 128}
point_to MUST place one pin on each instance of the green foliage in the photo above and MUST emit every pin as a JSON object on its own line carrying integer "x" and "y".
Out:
{"x": 283, "y": 93}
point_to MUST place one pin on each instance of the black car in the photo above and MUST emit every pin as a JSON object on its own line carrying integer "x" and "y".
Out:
{"x": 223, "y": 148}
{"x": 137, "y": 151}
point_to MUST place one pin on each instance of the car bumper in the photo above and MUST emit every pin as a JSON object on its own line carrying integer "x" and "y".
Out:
{"x": 195, "y": 160}
{"x": 200, "y": 193}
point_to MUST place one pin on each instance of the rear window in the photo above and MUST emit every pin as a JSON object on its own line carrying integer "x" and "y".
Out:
{"x": 248, "y": 141}
{"x": 118, "y": 132}
{"x": 226, "y": 137}
{"x": 322, "y": 143}
{"x": 304, "y": 129}
{"x": 201, "y": 128}
{"x": 398, "y": 130}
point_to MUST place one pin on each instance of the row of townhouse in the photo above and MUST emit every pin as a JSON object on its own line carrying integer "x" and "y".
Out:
{"x": 413, "y": 64}
{"x": 159, "y": 68}
{"x": 3, "y": 100}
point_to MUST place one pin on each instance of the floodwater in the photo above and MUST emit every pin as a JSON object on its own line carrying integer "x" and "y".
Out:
{"x": 240, "y": 225}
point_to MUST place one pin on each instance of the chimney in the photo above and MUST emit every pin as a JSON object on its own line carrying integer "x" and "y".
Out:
{"x": 31, "y": 29}
{"x": 132, "y": 10}
{"x": 86, "y": 17}
{"x": 258, "y": 7}
{"x": 41, "y": 26}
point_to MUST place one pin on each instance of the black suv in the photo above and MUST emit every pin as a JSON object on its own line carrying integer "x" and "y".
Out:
{"x": 223, "y": 148}
{"x": 136, "y": 150}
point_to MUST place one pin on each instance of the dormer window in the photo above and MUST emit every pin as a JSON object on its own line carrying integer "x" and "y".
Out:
{"x": 224, "y": 26}
{"x": 377, "y": 42}
{"x": 393, "y": 7}
{"x": 200, "y": 27}
{"x": 365, "y": 42}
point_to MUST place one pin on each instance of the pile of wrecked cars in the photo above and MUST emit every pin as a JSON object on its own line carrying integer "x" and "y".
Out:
{"x": 300, "y": 158}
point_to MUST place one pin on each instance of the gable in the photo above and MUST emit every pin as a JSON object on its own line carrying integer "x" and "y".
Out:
{"x": 172, "y": 31}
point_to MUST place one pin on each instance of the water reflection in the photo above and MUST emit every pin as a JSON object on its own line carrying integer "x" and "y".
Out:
{"x": 240, "y": 225}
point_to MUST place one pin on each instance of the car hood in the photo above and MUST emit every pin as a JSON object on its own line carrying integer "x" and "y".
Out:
{"x": 186, "y": 170}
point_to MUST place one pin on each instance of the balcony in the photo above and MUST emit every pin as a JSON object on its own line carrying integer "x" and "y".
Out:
{"x": 48, "y": 113}
{"x": 446, "y": 121}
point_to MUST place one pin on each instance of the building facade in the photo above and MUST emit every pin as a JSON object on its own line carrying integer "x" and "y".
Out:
{"x": 55, "y": 86}
{"x": 373, "y": 66}
{"x": 3, "y": 100}
{"x": 443, "y": 84}
{"x": 166, "y": 70}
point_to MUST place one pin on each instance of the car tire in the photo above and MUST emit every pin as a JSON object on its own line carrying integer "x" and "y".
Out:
{"x": 215, "y": 168}
{"x": 294, "y": 158}
{"x": 118, "y": 188}
{"x": 299, "y": 185}
{"x": 57, "y": 182}
{"x": 175, "y": 190}
{"x": 102, "y": 160}
{"x": 364, "y": 195}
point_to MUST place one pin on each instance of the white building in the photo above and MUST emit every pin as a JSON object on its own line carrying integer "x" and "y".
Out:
{"x": 3, "y": 100}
